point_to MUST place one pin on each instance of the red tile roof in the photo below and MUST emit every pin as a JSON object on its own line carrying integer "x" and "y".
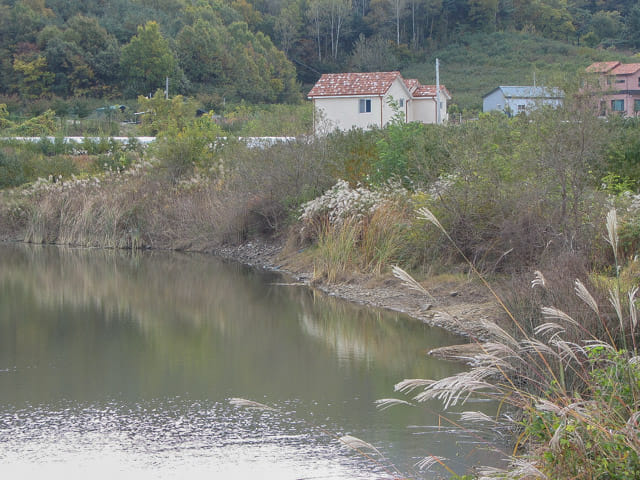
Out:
{"x": 602, "y": 67}
{"x": 425, "y": 91}
{"x": 348, "y": 84}
{"x": 626, "y": 69}
{"x": 412, "y": 83}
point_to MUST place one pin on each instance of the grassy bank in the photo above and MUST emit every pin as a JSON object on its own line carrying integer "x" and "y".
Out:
{"x": 511, "y": 196}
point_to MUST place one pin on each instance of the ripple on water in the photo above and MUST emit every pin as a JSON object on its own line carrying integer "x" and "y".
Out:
{"x": 167, "y": 439}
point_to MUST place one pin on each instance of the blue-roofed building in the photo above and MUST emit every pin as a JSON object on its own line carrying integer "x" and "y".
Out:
{"x": 514, "y": 100}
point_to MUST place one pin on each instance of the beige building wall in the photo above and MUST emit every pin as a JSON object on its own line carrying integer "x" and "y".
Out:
{"x": 397, "y": 92}
{"x": 424, "y": 110}
{"x": 343, "y": 113}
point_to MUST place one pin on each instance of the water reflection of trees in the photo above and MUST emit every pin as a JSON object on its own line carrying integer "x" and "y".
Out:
{"x": 149, "y": 287}
{"x": 180, "y": 302}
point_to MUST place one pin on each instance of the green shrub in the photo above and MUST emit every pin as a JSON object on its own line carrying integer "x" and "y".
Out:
{"x": 412, "y": 153}
{"x": 38, "y": 126}
{"x": 596, "y": 436}
{"x": 352, "y": 154}
{"x": 11, "y": 170}
{"x": 194, "y": 146}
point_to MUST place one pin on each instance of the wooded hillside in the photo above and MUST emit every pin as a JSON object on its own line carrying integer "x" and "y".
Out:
{"x": 262, "y": 50}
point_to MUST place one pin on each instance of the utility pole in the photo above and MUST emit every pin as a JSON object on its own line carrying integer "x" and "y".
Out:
{"x": 438, "y": 119}
{"x": 166, "y": 88}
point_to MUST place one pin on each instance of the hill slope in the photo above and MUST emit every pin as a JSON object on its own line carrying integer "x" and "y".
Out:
{"x": 476, "y": 64}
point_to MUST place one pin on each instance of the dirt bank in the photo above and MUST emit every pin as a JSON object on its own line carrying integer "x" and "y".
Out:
{"x": 457, "y": 306}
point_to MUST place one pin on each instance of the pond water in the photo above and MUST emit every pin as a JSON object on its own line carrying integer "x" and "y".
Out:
{"x": 113, "y": 363}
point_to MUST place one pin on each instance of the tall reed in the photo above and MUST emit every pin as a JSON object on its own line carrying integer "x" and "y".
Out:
{"x": 582, "y": 429}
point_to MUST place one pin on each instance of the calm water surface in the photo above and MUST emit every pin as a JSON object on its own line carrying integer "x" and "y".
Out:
{"x": 113, "y": 364}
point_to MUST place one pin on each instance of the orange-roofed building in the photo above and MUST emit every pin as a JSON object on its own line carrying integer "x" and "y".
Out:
{"x": 372, "y": 99}
{"x": 619, "y": 87}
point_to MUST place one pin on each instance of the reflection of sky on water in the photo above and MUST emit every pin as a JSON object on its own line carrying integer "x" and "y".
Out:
{"x": 170, "y": 438}
{"x": 113, "y": 363}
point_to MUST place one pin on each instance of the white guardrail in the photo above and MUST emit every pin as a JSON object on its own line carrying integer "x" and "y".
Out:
{"x": 252, "y": 142}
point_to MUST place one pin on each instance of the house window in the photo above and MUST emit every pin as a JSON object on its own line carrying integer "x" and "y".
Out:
{"x": 617, "y": 105}
{"x": 365, "y": 105}
{"x": 639, "y": 81}
{"x": 521, "y": 108}
{"x": 620, "y": 80}
{"x": 636, "y": 105}
{"x": 401, "y": 103}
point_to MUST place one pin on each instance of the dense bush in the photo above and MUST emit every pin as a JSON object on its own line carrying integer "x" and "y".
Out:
{"x": 19, "y": 166}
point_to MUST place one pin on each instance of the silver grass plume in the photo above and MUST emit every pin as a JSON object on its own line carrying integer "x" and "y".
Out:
{"x": 536, "y": 346}
{"x": 499, "y": 359}
{"x": 612, "y": 231}
{"x": 567, "y": 349}
{"x": 554, "y": 443}
{"x": 427, "y": 462}
{"x": 518, "y": 470}
{"x": 409, "y": 282}
{"x": 494, "y": 329}
{"x": 633, "y": 313}
{"x": 599, "y": 344}
{"x": 549, "y": 327}
{"x": 426, "y": 214}
{"x": 544, "y": 405}
{"x": 384, "y": 403}
{"x": 585, "y": 296}
{"x": 476, "y": 417}
{"x": 243, "y": 402}
{"x": 538, "y": 280}
{"x": 410, "y": 384}
{"x": 553, "y": 313}
{"x": 614, "y": 298}
{"x": 356, "y": 444}
{"x": 458, "y": 388}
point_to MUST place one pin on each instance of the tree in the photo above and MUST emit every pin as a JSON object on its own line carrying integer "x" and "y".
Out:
{"x": 146, "y": 60}
{"x": 257, "y": 70}
{"x": 339, "y": 10}
{"x": 632, "y": 27}
{"x": 606, "y": 24}
{"x": 315, "y": 14}
{"x": 373, "y": 54}
{"x": 484, "y": 13}
{"x": 34, "y": 79}
{"x": 288, "y": 25}
{"x": 398, "y": 7}
{"x": 201, "y": 51}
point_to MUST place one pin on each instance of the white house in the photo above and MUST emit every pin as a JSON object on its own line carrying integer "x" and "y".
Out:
{"x": 422, "y": 106}
{"x": 513, "y": 100}
{"x": 372, "y": 99}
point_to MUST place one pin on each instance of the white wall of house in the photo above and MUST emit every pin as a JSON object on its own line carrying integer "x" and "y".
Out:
{"x": 423, "y": 110}
{"x": 344, "y": 113}
{"x": 398, "y": 92}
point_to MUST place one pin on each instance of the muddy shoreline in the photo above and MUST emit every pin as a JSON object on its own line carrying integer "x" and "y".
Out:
{"x": 459, "y": 307}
